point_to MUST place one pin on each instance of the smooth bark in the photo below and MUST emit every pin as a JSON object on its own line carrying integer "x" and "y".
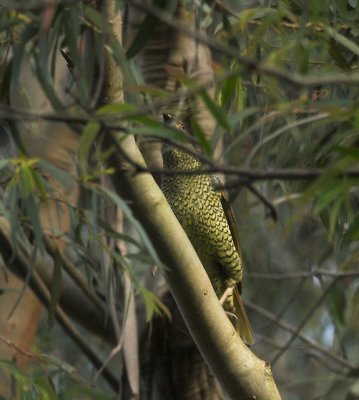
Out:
{"x": 240, "y": 372}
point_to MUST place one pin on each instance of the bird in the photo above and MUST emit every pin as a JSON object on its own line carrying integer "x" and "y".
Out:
{"x": 208, "y": 220}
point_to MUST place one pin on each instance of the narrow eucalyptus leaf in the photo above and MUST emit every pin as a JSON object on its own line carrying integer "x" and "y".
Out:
{"x": 55, "y": 288}
{"x": 330, "y": 192}
{"x": 32, "y": 213}
{"x": 115, "y": 108}
{"x": 59, "y": 174}
{"x": 94, "y": 16}
{"x": 87, "y": 139}
{"x": 128, "y": 213}
{"x": 344, "y": 41}
{"x": 216, "y": 111}
{"x": 201, "y": 137}
{"x": 19, "y": 51}
{"x": 9, "y": 22}
{"x": 352, "y": 232}
{"x": 145, "y": 33}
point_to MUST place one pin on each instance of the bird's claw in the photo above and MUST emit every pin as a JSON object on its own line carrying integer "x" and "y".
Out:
{"x": 231, "y": 316}
{"x": 226, "y": 294}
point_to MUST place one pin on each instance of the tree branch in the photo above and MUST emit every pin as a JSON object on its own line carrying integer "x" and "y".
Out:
{"x": 238, "y": 370}
{"x": 301, "y": 275}
{"x": 305, "y": 320}
{"x": 289, "y": 328}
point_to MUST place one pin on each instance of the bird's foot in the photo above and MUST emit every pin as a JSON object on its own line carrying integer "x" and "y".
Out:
{"x": 232, "y": 317}
{"x": 228, "y": 292}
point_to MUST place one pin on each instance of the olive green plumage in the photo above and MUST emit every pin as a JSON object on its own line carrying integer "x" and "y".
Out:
{"x": 206, "y": 218}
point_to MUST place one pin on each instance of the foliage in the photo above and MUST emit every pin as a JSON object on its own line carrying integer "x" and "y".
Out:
{"x": 34, "y": 384}
{"x": 286, "y": 102}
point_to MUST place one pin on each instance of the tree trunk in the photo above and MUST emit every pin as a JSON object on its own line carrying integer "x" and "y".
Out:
{"x": 175, "y": 368}
{"x": 18, "y": 323}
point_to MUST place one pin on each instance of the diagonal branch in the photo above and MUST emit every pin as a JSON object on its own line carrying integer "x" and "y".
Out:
{"x": 289, "y": 328}
{"x": 305, "y": 320}
{"x": 240, "y": 372}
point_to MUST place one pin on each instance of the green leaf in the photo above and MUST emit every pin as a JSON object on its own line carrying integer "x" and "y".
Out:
{"x": 351, "y": 46}
{"x": 59, "y": 174}
{"x": 228, "y": 91}
{"x": 55, "y": 288}
{"x": 44, "y": 387}
{"x": 87, "y": 139}
{"x": 115, "y": 108}
{"x": 27, "y": 184}
{"x": 153, "y": 127}
{"x": 12, "y": 368}
{"x": 32, "y": 213}
{"x": 248, "y": 15}
{"x": 216, "y": 111}
{"x": 53, "y": 361}
{"x": 111, "y": 233}
{"x": 13, "y": 214}
{"x": 338, "y": 302}
{"x": 9, "y": 21}
{"x": 137, "y": 225}
{"x": 338, "y": 56}
{"x": 349, "y": 152}
{"x": 354, "y": 309}
{"x": 329, "y": 192}
{"x": 144, "y": 34}
{"x": 153, "y": 304}
{"x": 19, "y": 51}
{"x": 233, "y": 94}
{"x": 201, "y": 137}
{"x": 46, "y": 81}
{"x": 333, "y": 216}
{"x": 352, "y": 234}
{"x": 94, "y": 17}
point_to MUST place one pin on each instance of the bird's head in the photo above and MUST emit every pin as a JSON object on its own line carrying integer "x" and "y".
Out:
{"x": 175, "y": 157}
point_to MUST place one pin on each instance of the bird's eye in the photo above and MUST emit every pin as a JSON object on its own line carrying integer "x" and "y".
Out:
{"x": 167, "y": 117}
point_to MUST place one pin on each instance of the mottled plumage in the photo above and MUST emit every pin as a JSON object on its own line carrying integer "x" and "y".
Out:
{"x": 208, "y": 221}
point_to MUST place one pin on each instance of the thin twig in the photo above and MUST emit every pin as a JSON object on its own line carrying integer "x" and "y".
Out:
{"x": 271, "y": 209}
{"x": 278, "y": 132}
{"x": 284, "y": 325}
{"x": 305, "y": 320}
{"x": 74, "y": 273}
{"x": 301, "y": 275}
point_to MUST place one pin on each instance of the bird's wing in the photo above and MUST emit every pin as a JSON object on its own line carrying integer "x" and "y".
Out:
{"x": 228, "y": 212}
{"x": 245, "y": 327}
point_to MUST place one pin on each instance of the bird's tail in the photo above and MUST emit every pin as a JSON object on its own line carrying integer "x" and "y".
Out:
{"x": 243, "y": 325}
